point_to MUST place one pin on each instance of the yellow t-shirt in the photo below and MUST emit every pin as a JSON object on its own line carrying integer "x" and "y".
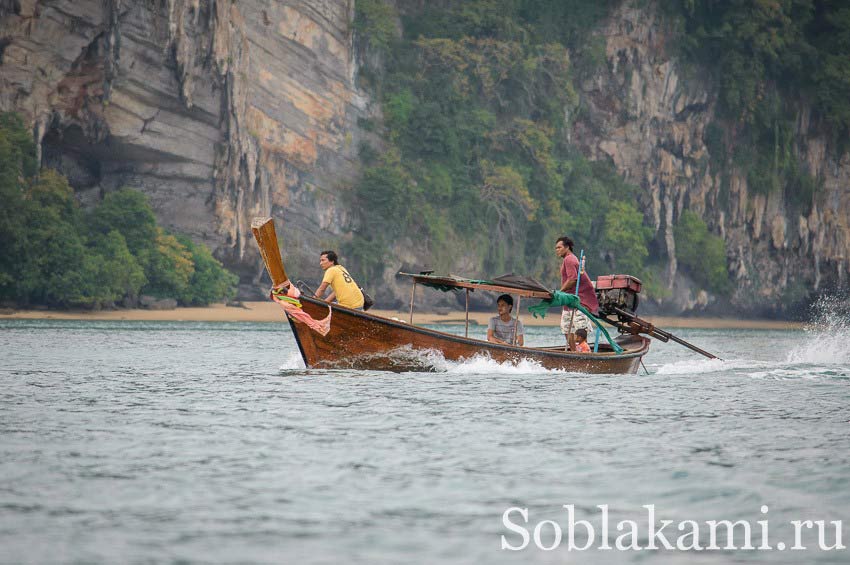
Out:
{"x": 346, "y": 290}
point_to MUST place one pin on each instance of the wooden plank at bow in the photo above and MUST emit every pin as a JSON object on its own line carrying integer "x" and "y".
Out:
{"x": 266, "y": 237}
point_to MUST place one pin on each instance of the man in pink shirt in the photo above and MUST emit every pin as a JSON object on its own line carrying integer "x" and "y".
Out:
{"x": 586, "y": 293}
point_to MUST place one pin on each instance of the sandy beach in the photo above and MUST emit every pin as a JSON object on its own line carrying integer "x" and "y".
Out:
{"x": 266, "y": 311}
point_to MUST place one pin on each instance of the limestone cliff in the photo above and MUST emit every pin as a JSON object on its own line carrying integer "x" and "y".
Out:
{"x": 642, "y": 115}
{"x": 217, "y": 110}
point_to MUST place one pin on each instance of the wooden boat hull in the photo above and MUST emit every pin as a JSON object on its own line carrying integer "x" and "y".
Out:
{"x": 359, "y": 340}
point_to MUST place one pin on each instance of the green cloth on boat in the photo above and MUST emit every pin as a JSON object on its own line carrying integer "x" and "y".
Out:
{"x": 570, "y": 301}
{"x": 558, "y": 299}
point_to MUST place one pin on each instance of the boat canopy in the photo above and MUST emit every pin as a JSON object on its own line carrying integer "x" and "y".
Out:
{"x": 510, "y": 284}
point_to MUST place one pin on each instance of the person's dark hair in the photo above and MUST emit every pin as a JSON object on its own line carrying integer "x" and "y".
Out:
{"x": 566, "y": 241}
{"x": 581, "y": 332}
{"x": 507, "y": 299}
{"x": 331, "y": 255}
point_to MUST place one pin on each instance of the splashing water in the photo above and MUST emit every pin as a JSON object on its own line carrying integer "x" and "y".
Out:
{"x": 430, "y": 360}
{"x": 824, "y": 339}
{"x": 700, "y": 366}
{"x": 293, "y": 363}
{"x": 484, "y": 365}
{"x": 433, "y": 361}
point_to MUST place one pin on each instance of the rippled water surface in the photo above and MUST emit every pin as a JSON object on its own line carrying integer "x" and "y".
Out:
{"x": 202, "y": 442}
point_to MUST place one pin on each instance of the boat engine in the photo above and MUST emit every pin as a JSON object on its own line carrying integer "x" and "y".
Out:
{"x": 618, "y": 301}
{"x": 618, "y": 292}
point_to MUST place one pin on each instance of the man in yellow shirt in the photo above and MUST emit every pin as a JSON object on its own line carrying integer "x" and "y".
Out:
{"x": 345, "y": 290}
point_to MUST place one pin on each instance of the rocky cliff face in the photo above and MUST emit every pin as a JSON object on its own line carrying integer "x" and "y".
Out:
{"x": 642, "y": 115}
{"x": 222, "y": 110}
{"x": 217, "y": 110}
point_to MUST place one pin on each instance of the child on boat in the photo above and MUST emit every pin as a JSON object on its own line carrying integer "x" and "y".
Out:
{"x": 581, "y": 341}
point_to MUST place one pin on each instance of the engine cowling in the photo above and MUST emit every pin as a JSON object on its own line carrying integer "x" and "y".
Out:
{"x": 617, "y": 292}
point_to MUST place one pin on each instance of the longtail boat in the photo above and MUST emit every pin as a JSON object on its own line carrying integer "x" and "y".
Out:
{"x": 364, "y": 341}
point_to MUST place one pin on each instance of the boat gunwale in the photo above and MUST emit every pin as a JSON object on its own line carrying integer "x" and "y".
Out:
{"x": 627, "y": 354}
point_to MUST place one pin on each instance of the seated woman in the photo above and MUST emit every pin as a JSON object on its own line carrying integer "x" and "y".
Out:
{"x": 503, "y": 328}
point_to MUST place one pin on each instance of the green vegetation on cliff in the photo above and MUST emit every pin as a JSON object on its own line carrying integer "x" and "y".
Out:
{"x": 54, "y": 253}
{"x": 754, "y": 48}
{"x": 701, "y": 254}
{"x": 478, "y": 103}
{"x": 770, "y": 59}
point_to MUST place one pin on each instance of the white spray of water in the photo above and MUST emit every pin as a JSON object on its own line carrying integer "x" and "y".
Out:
{"x": 825, "y": 338}
{"x": 484, "y": 365}
{"x": 702, "y": 366}
{"x": 294, "y": 363}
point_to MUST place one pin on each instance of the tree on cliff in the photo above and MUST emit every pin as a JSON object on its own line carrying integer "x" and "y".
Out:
{"x": 17, "y": 166}
{"x": 54, "y": 253}
{"x": 701, "y": 254}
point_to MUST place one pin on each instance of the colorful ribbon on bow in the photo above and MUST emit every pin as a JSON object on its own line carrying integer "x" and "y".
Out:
{"x": 288, "y": 300}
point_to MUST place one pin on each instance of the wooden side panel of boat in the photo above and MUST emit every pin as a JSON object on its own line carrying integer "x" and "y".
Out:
{"x": 359, "y": 340}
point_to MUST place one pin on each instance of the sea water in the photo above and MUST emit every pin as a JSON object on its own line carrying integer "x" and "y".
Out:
{"x": 210, "y": 442}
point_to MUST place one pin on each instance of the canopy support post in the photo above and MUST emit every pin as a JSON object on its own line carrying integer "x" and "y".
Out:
{"x": 467, "y": 313}
{"x": 412, "y": 295}
{"x": 516, "y": 322}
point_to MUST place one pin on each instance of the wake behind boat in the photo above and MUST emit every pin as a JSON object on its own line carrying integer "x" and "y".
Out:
{"x": 354, "y": 339}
